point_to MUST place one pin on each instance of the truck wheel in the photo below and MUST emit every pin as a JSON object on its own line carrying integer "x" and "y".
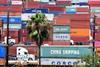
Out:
{"x": 12, "y": 43}
{"x": 30, "y": 59}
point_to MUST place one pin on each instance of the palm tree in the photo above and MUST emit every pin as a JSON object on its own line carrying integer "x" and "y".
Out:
{"x": 38, "y": 29}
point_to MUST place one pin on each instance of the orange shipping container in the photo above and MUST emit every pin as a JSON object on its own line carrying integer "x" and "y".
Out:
{"x": 79, "y": 32}
{"x": 2, "y": 61}
{"x": 0, "y": 23}
{"x": 98, "y": 51}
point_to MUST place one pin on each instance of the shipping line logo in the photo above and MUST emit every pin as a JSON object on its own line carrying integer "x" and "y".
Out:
{"x": 75, "y": 52}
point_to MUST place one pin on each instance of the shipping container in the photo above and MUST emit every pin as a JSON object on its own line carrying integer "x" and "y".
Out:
{"x": 16, "y": 39}
{"x": 97, "y": 21}
{"x": 80, "y": 16}
{"x": 2, "y": 51}
{"x": 2, "y": 61}
{"x": 61, "y": 43}
{"x": 35, "y": 10}
{"x": 80, "y": 38}
{"x": 15, "y": 8}
{"x": 65, "y": 51}
{"x": 61, "y": 61}
{"x": 3, "y": 8}
{"x": 12, "y": 32}
{"x": 82, "y": 9}
{"x": 49, "y": 42}
{"x": 32, "y": 5}
{"x": 94, "y": 3}
{"x": 80, "y": 32}
{"x": 3, "y": 2}
{"x": 23, "y": 32}
{"x": 26, "y": 16}
{"x": 31, "y": 50}
{"x": 12, "y": 19}
{"x": 12, "y": 26}
{"x": 16, "y": 2}
{"x": 61, "y": 36}
{"x": 70, "y": 10}
{"x": 63, "y": 3}
{"x": 97, "y": 43}
{"x": 2, "y": 13}
{"x": 62, "y": 20}
{"x": 1, "y": 23}
{"x": 55, "y": 8}
{"x": 15, "y": 13}
{"x": 98, "y": 51}
{"x": 97, "y": 36}
{"x": 23, "y": 39}
{"x": 61, "y": 29}
{"x": 80, "y": 24}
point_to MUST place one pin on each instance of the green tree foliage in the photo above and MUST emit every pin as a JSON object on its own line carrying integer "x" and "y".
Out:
{"x": 38, "y": 27}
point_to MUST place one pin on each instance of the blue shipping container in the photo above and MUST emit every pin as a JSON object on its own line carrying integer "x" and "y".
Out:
{"x": 2, "y": 51}
{"x": 33, "y": 10}
{"x": 12, "y": 19}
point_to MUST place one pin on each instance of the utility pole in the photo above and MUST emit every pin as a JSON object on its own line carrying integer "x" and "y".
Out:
{"x": 93, "y": 41}
{"x": 7, "y": 45}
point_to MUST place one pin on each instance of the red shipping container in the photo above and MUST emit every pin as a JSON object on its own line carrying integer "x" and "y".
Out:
{"x": 23, "y": 32}
{"x": 61, "y": 43}
{"x": 80, "y": 38}
{"x": 3, "y": 8}
{"x": 80, "y": 24}
{"x": 97, "y": 36}
{"x": 24, "y": 39}
{"x": 97, "y": 21}
{"x": 15, "y": 14}
{"x": 31, "y": 50}
{"x": 80, "y": 16}
{"x": 63, "y": 2}
{"x": 12, "y": 33}
{"x": 48, "y": 42}
{"x": 32, "y": 5}
{"x": 3, "y": 1}
{"x": 82, "y": 9}
{"x": 62, "y": 20}
{"x": 16, "y": 39}
{"x": 55, "y": 8}
{"x": 15, "y": 8}
{"x": 94, "y": 3}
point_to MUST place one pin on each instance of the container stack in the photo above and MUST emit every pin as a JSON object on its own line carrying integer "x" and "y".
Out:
{"x": 80, "y": 28}
{"x": 61, "y": 30}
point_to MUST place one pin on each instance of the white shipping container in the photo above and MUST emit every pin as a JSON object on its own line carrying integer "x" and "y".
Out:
{"x": 16, "y": 2}
{"x": 44, "y": 0}
{"x": 27, "y": 16}
{"x": 59, "y": 61}
{"x": 61, "y": 36}
{"x": 13, "y": 26}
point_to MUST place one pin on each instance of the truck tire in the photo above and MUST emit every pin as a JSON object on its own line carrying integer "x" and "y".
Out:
{"x": 12, "y": 43}
{"x": 30, "y": 59}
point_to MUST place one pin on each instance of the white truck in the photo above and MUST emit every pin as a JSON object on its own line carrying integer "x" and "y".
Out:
{"x": 23, "y": 55}
{"x": 10, "y": 41}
